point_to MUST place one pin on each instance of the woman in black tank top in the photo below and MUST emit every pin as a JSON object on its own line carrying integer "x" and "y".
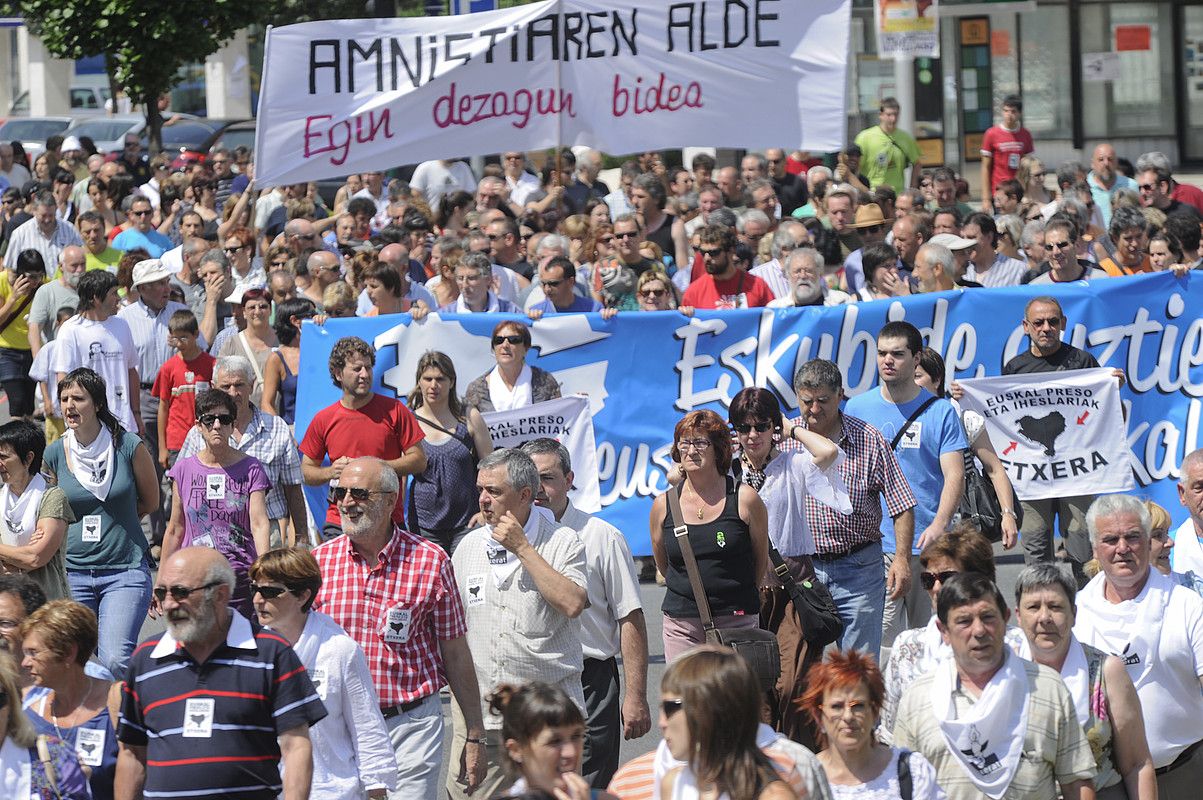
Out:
{"x": 727, "y": 531}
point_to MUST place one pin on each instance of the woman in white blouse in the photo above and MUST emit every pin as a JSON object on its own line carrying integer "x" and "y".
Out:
{"x": 352, "y": 754}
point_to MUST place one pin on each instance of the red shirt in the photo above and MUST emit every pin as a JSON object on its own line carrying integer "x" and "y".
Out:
{"x": 177, "y": 385}
{"x": 1005, "y": 148}
{"x": 383, "y": 428}
{"x": 1186, "y": 193}
{"x": 412, "y": 576}
{"x": 742, "y": 291}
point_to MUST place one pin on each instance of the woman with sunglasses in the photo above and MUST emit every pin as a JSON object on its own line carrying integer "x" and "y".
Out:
{"x": 64, "y": 701}
{"x": 218, "y": 497}
{"x": 352, "y": 755}
{"x": 280, "y": 374}
{"x": 111, "y": 482}
{"x": 844, "y": 697}
{"x": 710, "y": 719}
{"x": 258, "y": 340}
{"x": 727, "y": 525}
{"x": 916, "y": 651}
{"x": 656, "y": 291}
{"x": 440, "y": 507}
{"x": 204, "y": 193}
{"x": 512, "y": 383}
{"x": 784, "y": 481}
{"x": 22, "y": 770}
{"x": 1105, "y": 700}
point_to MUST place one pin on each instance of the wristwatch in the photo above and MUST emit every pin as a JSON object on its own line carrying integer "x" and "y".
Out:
{"x": 1010, "y": 512}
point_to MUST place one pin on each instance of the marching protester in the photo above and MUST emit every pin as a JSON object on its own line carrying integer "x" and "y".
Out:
{"x": 36, "y": 515}
{"x": 512, "y": 383}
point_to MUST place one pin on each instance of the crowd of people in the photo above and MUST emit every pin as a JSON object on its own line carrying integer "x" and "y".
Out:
{"x": 150, "y": 356}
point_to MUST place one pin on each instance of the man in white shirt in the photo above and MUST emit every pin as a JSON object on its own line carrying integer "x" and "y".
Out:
{"x": 1155, "y": 626}
{"x": 101, "y": 341}
{"x": 191, "y": 227}
{"x": 789, "y": 236}
{"x": 436, "y": 178}
{"x": 521, "y": 183}
{"x": 16, "y": 174}
{"x": 1187, "y": 553}
{"x": 45, "y": 233}
{"x": 612, "y": 624}
{"x": 805, "y": 267}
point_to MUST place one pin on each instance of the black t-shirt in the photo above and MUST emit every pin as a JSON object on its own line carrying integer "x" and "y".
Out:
{"x": 1067, "y": 357}
{"x": 522, "y": 267}
{"x": 791, "y": 192}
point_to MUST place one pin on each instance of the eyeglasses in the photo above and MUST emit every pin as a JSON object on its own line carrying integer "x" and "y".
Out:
{"x": 626, "y": 235}
{"x": 357, "y": 494}
{"x": 759, "y": 427}
{"x": 231, "y": 250}
{"x": 180, "y": 593}
{"x": 715, "y": 253}
{"x": 133, "y": 144}
{"x": 512, "y": 339}
{"x": 207, "y": 420}
{"x": 268, "y": 592}
{"x": 495, "y": 236}
{"x": 693, "y": 444}
{"x": 670, "y": 707}
{"x": 650, "y": 294}
{"x": 930, "y": 579}
{"x": 838, "y": 709}
{"x": 1051, "y": 246}
{"x": 139, "y": 213}
{"x": 1148, "y": 187}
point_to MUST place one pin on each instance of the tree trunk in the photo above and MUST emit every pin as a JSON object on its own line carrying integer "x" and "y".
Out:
{"x": 154, "y": 127}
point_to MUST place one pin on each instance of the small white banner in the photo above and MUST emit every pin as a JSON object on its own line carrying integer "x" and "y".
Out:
{"x": 568, "y": 421}
{"x": 624, "y": 76}
{"x": 1058, "y": 434}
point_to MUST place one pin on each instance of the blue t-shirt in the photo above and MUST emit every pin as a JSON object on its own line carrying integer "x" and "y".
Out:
{"x": 937, "y": 431}
{"x": 579, "y": 304}
{"x": 152, "y": 242}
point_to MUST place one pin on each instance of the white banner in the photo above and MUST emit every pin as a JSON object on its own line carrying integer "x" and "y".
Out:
{"x": 907, "y": 28}
{"x": 624, "y": 76}
{"x": 1058, "y": 434}
{"x": 568, "y": 421}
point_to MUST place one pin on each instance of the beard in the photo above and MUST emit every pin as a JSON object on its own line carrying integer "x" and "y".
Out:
{"x": 807, "y": 293}
{"x": 713, "y": 268}
{"x": 187, "y": 627}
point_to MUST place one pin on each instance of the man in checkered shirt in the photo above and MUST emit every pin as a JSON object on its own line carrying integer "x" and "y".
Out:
{"x": 848, "y": 558}
{"x": 394, "y": 593}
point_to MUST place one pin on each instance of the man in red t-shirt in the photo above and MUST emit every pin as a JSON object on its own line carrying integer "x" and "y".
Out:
{"x": 724, "y": 285}
{"x": 361, "y": 423}
{"x": 1002, "y": 147}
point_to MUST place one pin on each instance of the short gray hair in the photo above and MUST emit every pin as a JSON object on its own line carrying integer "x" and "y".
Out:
{"x": 388, "y": 481}
{"x": 1111, "y": 504}
{"x": 818, "y": 373}
{"x": 1154, "y": 160}
{"x": 221, "y": 573}
{"x": 479, "y": 262}
{"x": 553, "y": 241}
{"x": 1011, "y": 225}
{"x": 723, "y": 216}
{"x": 520, "y": 472}
{"x": 1192, "y": 458}
{"x": 236, "y": 364}
{"x": 784, "y": 236}
{"x": 1028, "y": 237}
{"x": 215, "y": 256}
{"x": 942, "y": 257}
{"x": 815, "y": 257}
{"x": 1045, "y": 576}
{"x": 753, "y": 215}
{"x": 546, "y": 446}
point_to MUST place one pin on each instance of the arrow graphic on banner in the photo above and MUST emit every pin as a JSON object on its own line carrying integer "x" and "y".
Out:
{"x": 1010, "y": 447}
{"x": 1082, "y": 419}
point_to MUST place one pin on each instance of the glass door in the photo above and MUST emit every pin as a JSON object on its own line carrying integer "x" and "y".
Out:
{"x": 1192, "y": 56}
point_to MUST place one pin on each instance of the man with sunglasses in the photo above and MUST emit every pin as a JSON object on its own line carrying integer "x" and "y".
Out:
{"x": 1061, "y": 250}
{"x": 557, "y": 277}
{"x": 394, "y": 593}
{"x": 141, "y": 235}
{"x": 221, "y": 705}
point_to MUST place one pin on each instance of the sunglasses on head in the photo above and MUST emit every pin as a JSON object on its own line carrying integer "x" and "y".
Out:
{"x": 512, "y": 339}
{"x": 179, "y": 593}
{"x": 759, "y": 427}
{"x": 930, "y": 579}
{"x": 207, "y": 420}
{"x": 268, "y": 592}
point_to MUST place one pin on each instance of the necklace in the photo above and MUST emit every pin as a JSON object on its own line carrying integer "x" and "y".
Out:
{"x": 752, "y": 476}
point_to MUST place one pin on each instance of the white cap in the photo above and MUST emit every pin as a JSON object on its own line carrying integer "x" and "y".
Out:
{"x": 149, "y": 271}
{"x": 952, "y": 241}
{"x": 69, "y": 144}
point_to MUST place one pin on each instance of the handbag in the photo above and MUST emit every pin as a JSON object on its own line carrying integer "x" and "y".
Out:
{"x": 980, "y": 504}
{"x": 821, "y": 621}
{"x": 758, "y": 647}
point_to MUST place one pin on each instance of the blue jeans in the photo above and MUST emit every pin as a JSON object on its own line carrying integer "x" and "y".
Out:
{"x": 858, "y": 587}
{"x": 120, "y": 598}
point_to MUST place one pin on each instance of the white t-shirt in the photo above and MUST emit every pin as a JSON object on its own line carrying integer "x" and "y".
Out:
{"x": 611, "y": 582}
{"x": 106, "y": 348}
{"x": 435, "y": 179}
{"x": 1170, "y": 696}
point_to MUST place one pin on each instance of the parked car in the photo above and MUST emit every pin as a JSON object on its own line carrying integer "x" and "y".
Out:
{"x": 84, "y": 100}
{"x": 228, "y": 132}
{"x": 240, "y": 134}
{"x": 108, "y": 133}
{"x": 32, "y": 132}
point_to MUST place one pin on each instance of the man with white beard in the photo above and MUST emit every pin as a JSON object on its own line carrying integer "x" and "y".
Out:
{"x": 804, "y": 268}
{"x": 212, "y": 706}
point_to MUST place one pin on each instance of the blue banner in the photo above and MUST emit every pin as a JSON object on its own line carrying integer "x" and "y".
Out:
{"x": 643, "y": 371}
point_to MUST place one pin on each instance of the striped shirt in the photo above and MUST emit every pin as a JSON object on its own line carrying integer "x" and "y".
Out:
{"x": 268, "y": 439}
{"x": 150, "y": 336}
{"x": 1004, "y": 271}
{"x": 210, "y": 729}
{"x": 870, "y": 471}
{"x": 411, "y": 583}
{"x": 28, "y": 236}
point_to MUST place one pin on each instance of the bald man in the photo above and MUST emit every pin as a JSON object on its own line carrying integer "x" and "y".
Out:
{"x": 220, "y": 702}
{"x": 52, "y": 296}
{"x": 323, "y": 271}
{"x": 1104, "y": 178}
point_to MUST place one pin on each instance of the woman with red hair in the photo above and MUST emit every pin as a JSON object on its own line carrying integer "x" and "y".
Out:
{"x": 844, "y": 695}
{"x": 728, "y": 532}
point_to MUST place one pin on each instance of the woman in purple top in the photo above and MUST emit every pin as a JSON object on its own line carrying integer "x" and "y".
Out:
{"x": 218, "y": 497}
